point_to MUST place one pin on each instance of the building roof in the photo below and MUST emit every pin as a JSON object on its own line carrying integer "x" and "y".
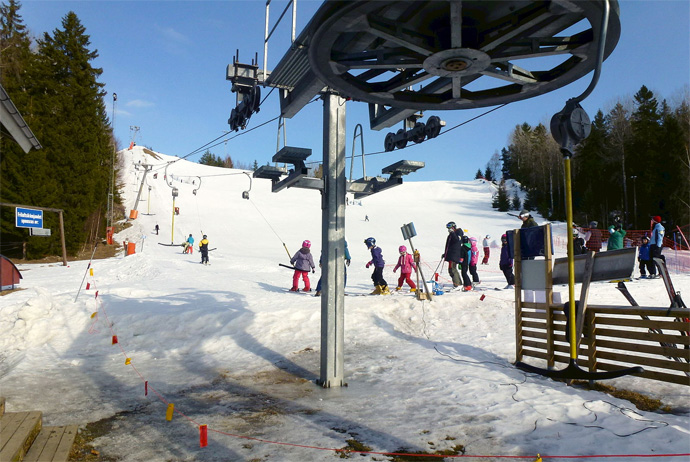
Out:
{"x": 14, "y": 123}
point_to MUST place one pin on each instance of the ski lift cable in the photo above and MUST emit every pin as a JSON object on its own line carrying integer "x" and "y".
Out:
{"x": 271, "y": 227}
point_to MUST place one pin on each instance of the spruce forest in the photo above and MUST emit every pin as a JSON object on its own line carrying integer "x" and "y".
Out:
{"x": 635, "y": 163}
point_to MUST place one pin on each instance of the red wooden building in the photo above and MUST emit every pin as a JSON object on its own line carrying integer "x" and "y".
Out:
{"x": 9, "y": 274}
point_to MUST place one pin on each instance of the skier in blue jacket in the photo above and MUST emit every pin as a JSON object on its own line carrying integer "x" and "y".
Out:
{"x": 645, "y": 258}
{"x": 347, "y": 263}
{"x": 379, "y": 263}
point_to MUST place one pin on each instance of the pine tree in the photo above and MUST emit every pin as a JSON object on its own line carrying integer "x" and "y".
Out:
{"x": 74, "y": 128}
{"x": 479, "y": 174}
{"x": 501, "y": 200}
{"x": 208, "y": 158}
{"x": 516, "y": 203}
{"x": 488, "y": 174}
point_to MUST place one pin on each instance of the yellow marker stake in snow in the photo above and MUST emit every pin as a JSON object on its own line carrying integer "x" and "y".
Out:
{"x": 93, "y": 315}
{"x": 169, "y": 412}
{"x": 538, "y": 459}
{"x": 128, "y": 361}
{"x": 91, "y": 271}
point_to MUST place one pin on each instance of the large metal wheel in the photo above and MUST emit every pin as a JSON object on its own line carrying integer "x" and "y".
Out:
{"x": 455, "y": 54}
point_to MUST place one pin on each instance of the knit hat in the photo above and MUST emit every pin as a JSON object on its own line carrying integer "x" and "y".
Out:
{"x": 657, "y": 219}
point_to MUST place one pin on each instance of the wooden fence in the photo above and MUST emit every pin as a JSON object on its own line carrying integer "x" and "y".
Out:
{"x": 614, "y": 337}
{"x": 609, "y": 337}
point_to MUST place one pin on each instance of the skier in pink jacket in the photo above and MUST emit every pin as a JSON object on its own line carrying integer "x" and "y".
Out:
{"x": 473, "y": 261}
{"x": 406, "y": 265}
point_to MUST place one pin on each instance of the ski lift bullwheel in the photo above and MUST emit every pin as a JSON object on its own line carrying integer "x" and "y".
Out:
{"x": 457, "y": 54}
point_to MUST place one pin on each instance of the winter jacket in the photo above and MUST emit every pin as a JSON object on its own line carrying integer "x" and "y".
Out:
{"x": 453, "y": 245}
{"x": 615, "y": 239}
{"x": 190, "y": 239}
{"x": 302, "y": 260}
{"x": 593, "y": 238}
{"x": 657, "y": 238}
{"x": 475, "y": 252}
{"x": 465, "y": 253}
{"x": 485, "y": 243}
{"x": 506, "y": 259}
{"x": 529, "y": 223}
{"x": 203, "y": 246}
{"x": 347, "y": 255}
{"x": 377, "y": 258}
{"x": 579, "y": 246}
{"x": 405, "y": 263}
{"x": 643, "y": 254}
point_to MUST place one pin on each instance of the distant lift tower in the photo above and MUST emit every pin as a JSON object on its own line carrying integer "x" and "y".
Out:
{"x": 401, "y": 57}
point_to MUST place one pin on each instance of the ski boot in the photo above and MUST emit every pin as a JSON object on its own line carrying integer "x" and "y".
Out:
{"x": 397, "y": 289}
{"x": 413, "y": 290}
{"x": 385, "y": 290}
{"x": 376, "y": 291}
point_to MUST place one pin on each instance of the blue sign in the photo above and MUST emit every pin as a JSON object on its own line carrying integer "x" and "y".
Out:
{"x": 28, "y": 218}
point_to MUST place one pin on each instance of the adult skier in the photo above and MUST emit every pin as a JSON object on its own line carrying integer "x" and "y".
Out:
{"x": 452, "y": 251}
{"x": 656, "y": 242}
{"x": 203, "y": 248}
{"x": 616, "y": 235}
{"x": 593, "y": 237}
{"x": 527, "y": 220}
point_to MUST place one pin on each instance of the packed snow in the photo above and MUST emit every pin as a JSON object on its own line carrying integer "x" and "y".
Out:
{"x": 232, "y": 349}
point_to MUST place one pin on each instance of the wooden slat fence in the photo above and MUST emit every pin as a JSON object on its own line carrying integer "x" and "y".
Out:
{"x": 614, "y": 337}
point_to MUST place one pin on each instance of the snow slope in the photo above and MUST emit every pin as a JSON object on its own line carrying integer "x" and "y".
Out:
{"x": 231, "y": 349}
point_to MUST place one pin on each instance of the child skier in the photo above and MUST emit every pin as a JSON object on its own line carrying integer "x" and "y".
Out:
{"x": 645, "y": 258}
{"x": 189, "y": 245}
{"x": 406, "y": 265}
{"x": 506, "y": 263}
{"x": 487, "y": 250}
{"x": 473, "y": 261}
{"x": 302, "y": 261}
{"x": 203, "y": 248}
{"x": 379, "y": 263}
{"x": 465, "y": 257}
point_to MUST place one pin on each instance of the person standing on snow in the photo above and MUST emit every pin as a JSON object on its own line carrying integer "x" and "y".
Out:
{"x": 656, "y": 242}
{"x": 473, "y": 261}
{"x": 465, "y": 256}
{"x": 203, "y": 248}
{"x": 645, "y": 258}
{"x": 379, "y": 263}
{"x": 452, "y": 252}
{"x": 506, "y": 263}
{"x": 616, "y": 234}
{"x": 487, "y": 250}
{"x": 348, "y": 259}
{"x": 303, "y": 262}
{"x": 156, "y": 229}
{"x": 189, "y": 245}
{"x": 406, "y": 265}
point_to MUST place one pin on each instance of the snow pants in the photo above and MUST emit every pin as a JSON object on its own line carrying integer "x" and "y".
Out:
{"x": 487, "y": 252}
{"x": 204, "y": 256}
{"x": 377, "y": 277}
{"x": 655, "y": 252}
{"x": 647, "y": 265}
{"x": 305, "y": 278}
{"x": 405, "y": 277}
{"x": 473, "y": 272}
{"x": 508, "y": 273}
{"x": 464, "y": 266}
{"x": 454, "y": 273}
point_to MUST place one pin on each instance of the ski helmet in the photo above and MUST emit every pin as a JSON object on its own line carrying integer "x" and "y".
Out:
{"x": 504, "y": 237}
{"x": 645, "y": 238}
{"x": 370, "y": 242}
{"x": 306, "y": 244}
{"x": 488, "y": 237}
{"x": 524, "y": 213}
{"x": 450, "y": 224}
{"x": 402, "y": 249}
{"x": 464, "y": 239}
{"x": 575, "y": 232}
{"x": 204, "y": 236}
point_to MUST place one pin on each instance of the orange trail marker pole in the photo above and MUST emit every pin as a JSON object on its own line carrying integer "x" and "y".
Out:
{"x": 169, "y": 412}
{"x": 114, "y": 339}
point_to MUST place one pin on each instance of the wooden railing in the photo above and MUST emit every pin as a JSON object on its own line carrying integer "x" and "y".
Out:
{"x": 613, "y": 337}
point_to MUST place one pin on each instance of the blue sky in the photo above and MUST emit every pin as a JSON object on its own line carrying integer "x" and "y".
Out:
{"x": 166, "y": 61}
